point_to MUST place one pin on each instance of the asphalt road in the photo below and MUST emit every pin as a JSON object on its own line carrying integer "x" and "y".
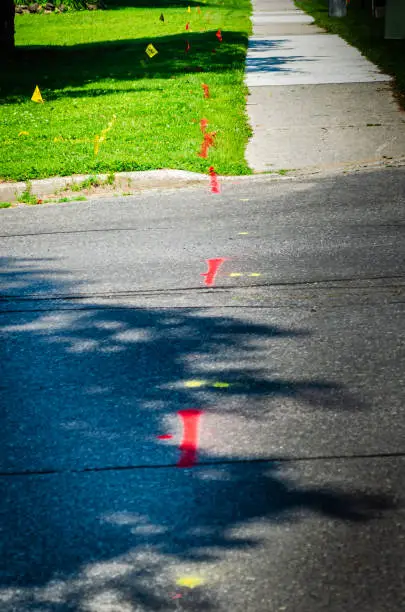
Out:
{"x": 169, "y": 445}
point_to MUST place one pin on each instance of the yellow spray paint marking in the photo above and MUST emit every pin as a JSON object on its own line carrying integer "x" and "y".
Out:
{"x": 195, "y": 383}
{"x": 151, "y": 51}
{"x": 221, "y": 385}
{"x": 243, "y": 233}
{"x": 244, "y": 200}
{"x": 23, "y": 133}
{"x": 189, "y": 581}
{"x": 36, "y": 96}
{"x": 235, "y": 274}
{"x": 99, "y": 139}
{"x": 255, "y": 274}
{"x": 96, "y": 144}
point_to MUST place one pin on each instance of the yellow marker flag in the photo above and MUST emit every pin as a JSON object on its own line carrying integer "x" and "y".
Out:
{"x": 151, "y": 51}
{"x": 189, "y": 10}
{"x": 36, "y": 96}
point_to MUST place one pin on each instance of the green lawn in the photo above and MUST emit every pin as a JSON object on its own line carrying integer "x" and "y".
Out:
{"x": 366, "y": 33}
{"x": 88, "y": 68}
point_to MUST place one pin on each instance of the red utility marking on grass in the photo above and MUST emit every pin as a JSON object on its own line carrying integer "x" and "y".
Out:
{"x": 203, "y": 124}
{"x": 187, "y": 25}
{"x": 206, "y": 90}
{"x": 189, "y": 443}
{"x": 187, "y": 46}
{"x": 213, "y": 267}
{"x": 219, "y": 36}
{"x": 165, "y": 437}
{"x": 207, "y": 143}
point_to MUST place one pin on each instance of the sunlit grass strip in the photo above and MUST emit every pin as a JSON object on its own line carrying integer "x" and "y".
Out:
{"x": 90, "y": 70}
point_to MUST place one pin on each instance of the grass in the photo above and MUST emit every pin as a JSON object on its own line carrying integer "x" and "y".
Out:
{"x": 75, "y": 199}
{"x": 88, "y": 68}
{"x": 5, "y": 204}
{"x": 366, "y": 33}
{"x": 26, "y": 197}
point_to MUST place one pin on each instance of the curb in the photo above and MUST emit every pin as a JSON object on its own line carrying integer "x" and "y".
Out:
{"x": 136, "y": 182}
{"x": 133, "y": 181}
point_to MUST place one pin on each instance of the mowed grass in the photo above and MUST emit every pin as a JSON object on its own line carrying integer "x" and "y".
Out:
{"x": 362, "y": 30}
{"x": 88, "y": 66}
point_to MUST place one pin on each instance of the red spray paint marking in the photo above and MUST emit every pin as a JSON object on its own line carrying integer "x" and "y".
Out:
{"x": 206, "y": 90}
{"x": 187, "y": 25}
{"x": 219, "y": 36}
{"x": 203, "y": 124}
{"x": 189, "y": 442}
{"x": 207, "y": 143}
{"x": 213, "y": 267}
{"x": 165, "y": 437}
{"x": 214, "y": 180}
{"x": 187, "y": 46}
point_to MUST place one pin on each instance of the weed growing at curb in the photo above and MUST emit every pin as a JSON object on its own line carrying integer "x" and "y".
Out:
{"x": 75, "y": 199}
{"x": 27, "y": 197}
{"x": 5, "y": 204}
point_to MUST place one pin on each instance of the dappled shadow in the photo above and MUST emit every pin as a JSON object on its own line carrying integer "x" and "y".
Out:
{"x": 273, "y": 64}
{"x": 111, "y": 5}
{"x": 91, "y": 387}
{"x": 55, "y": 68}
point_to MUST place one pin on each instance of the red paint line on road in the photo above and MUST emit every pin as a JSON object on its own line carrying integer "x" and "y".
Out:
{"x": 213, "y": 267}
{"x": 165, "y": 437}
{"x": 189, "y": 443}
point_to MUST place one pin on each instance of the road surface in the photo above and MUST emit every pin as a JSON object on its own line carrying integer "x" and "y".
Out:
{"x": 231, "y": 442}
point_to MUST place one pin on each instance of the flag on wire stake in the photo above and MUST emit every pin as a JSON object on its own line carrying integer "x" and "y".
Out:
{"x": 219, "y": 35}
{"x": 187, "y": 25}
{"x": 36, "y": 96}
{"x": 151, "y": 51}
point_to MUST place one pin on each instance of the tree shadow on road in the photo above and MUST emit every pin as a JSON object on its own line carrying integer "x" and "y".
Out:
{"x": 86, "y": 390}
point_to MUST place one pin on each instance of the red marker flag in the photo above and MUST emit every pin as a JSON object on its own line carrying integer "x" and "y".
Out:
{"x": 206, "y": 90}
{"x": 187, "y": 25}
{"x": 203, "y": 124}
{"x": 187, "y": 46}
{"x": 219, "y": 36}
{"x": 214, "y": 180}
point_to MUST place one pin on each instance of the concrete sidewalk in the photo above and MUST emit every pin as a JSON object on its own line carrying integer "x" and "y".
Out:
{"x": 314, "y": 101}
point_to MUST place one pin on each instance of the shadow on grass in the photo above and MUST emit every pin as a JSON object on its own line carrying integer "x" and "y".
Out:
{"x": 55, "y": 68}
{"x": 92, "y": 388}
{"x": 164, "y": 4}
